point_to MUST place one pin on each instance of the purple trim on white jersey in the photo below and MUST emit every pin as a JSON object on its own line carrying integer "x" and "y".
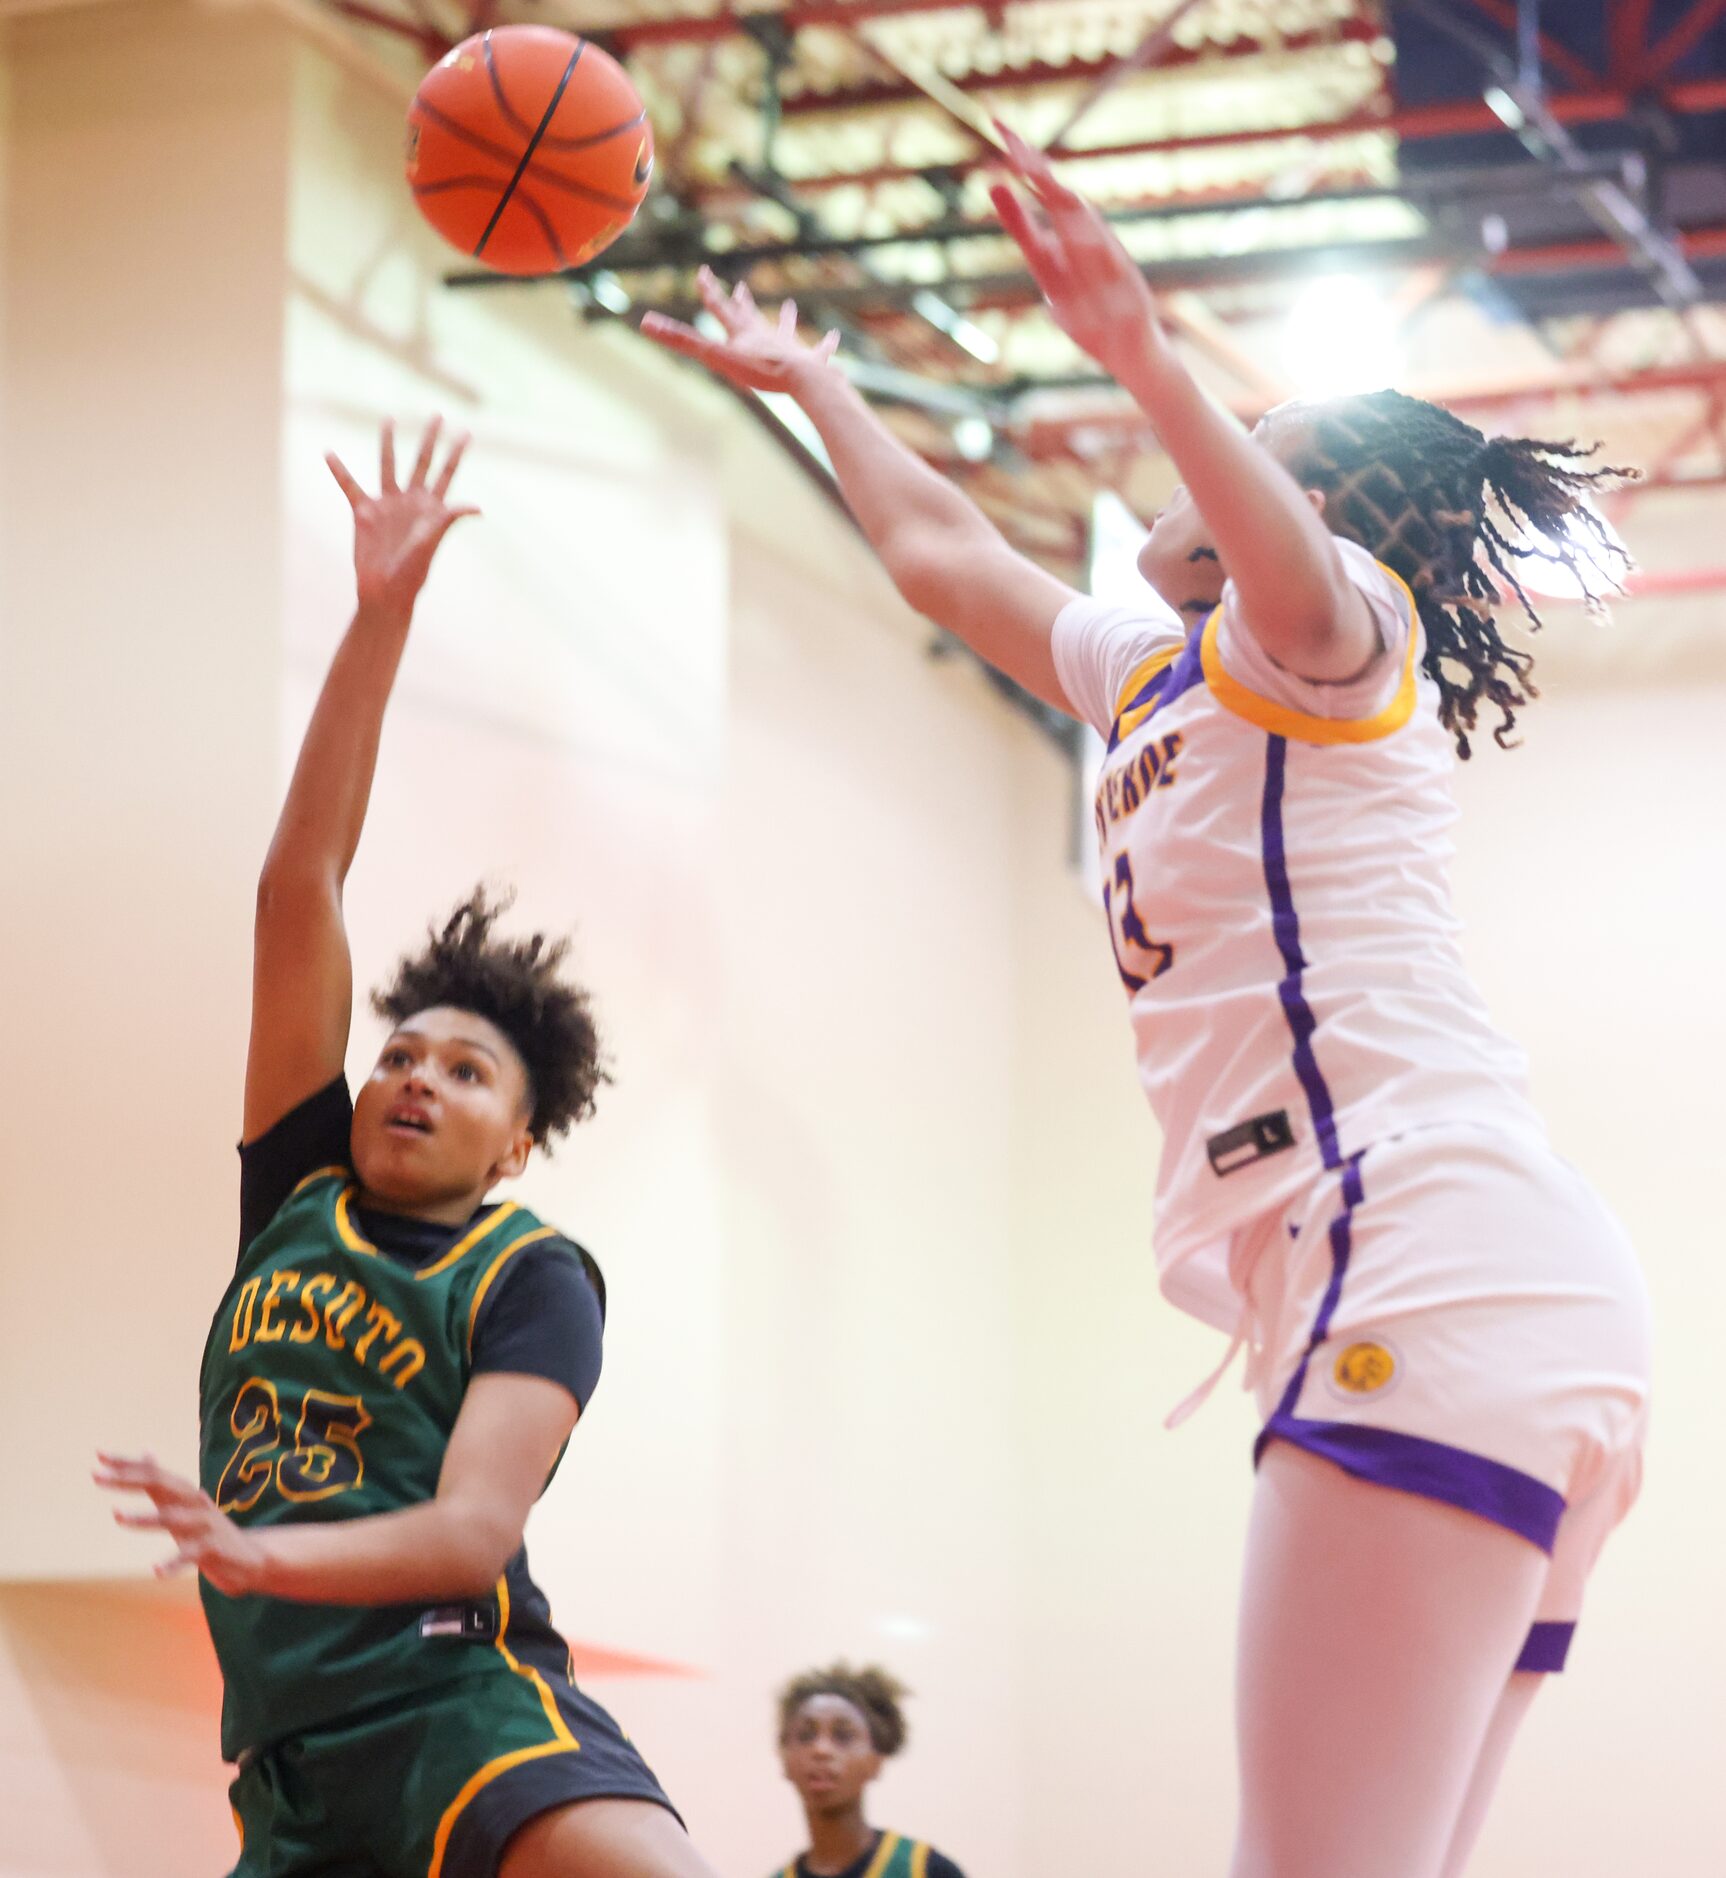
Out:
{"x": 1411, "y": 1463}
{"x": 1547, "y": 1647}
{"x": 1285, "y": 924}
{"x": 1181, "y": 674}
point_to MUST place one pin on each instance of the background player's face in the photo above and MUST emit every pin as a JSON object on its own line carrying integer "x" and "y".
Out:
{"x": 828, "y": 1755}
{"x": 445, "y": 1112}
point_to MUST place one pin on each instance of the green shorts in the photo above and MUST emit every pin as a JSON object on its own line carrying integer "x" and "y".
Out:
{"x": 433, "y": 1788}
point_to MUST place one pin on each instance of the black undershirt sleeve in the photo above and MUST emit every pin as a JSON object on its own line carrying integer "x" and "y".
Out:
{"x": 544, "y": 1317}
{"x": 941, "y": 1866}
{"x": 316, "y": 1134}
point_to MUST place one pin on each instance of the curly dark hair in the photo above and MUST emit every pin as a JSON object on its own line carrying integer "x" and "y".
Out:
{"x": 514, "y": 984}
{"x": 874, "y": 1693}
{"x": 1433, "y": 498}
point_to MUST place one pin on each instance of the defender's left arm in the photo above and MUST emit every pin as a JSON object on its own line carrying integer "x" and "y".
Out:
{"x": 455, "y": 1546}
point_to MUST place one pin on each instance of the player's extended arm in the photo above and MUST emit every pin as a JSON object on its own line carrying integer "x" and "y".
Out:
{"x": 302, "y": 979}
{"x": 506, "y": 1438}
{"x": 943, "y": 554}
{"x": 1294, "y": 593}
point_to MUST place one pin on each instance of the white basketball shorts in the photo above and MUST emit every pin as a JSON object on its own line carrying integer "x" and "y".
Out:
{"x": 1456, "y": 1313}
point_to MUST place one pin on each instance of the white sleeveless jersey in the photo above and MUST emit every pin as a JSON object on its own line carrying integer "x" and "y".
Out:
{"x": 1275, "y": 865}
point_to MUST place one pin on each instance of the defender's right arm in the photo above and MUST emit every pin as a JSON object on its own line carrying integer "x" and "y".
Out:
{"x": 946, "y": 557}
{"x": 302, "y": 978}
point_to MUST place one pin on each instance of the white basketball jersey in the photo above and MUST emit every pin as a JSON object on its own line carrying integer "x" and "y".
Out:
{"x": 1275, "y": 874}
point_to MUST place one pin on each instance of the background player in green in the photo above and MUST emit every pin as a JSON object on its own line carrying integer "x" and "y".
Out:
{"x": 392, "y": 1376}
{"x": 836, "y": 1728}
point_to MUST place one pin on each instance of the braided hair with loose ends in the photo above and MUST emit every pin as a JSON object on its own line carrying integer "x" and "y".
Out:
{"x": 1453, "y": 511}
{"x": 874, "y": 1694}
{"x": 514, "y": 984}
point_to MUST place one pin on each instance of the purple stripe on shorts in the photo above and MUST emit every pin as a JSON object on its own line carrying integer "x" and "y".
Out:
{"x": 1285, "y": 924}
{"x": 1547, "y": 1647}
{"x": 1341, "y": 1244}
{"x": 1502, "y": 1494}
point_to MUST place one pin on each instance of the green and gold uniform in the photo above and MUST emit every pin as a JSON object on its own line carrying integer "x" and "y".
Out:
{"x": 890, "y": 1857}
{"x": 396, "y": 1740}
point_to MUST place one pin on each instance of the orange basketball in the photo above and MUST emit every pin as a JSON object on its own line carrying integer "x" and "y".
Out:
{"x": 528, "y": 148}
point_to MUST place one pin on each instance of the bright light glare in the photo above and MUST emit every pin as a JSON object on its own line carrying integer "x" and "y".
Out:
{"x": 609, "y": 291}
{"x": 1340, "y": 338}
{"x": 974, "y": 438}
{"x": 949, "y": 320}
{"x": 1117, "y": 534}
{"x": 1552, "y": 579}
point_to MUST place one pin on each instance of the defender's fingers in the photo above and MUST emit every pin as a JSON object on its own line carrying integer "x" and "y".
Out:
{"x": 451, "y": 464}
{"x": 725, "y": 307}
{"x": 828, "y": 346}
{"x": 345, "y": 480}
{"x": 387, "y": 457}
{"x": 1039, "y": 251}
{"x": 681, "y": 338}
{"x": 181, "y": 1561}
{"x": 788, "y": 319}
{"x": 423, "y": 462}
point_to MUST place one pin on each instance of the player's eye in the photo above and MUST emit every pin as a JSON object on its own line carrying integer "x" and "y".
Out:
{"x": 466, "y": 1072}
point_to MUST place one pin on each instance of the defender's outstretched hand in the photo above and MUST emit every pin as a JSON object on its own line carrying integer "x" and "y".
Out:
{"x": 205, "y": 1538}
{"x": 755, "y": 354}
{"x": 1093, "y": 286}
{"x": 397, "y": 531}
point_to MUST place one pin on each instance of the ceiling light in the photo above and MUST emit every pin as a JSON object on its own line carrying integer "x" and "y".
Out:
{"x": 974, "y": 439}
{"x": 608, "y": 290}
{"x": 949, "y": 320}
{"x": 1505, "y": 108}
{"x": 1340, "y": 337}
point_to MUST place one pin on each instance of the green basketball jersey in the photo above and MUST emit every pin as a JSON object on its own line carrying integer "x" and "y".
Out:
{"x": 894, "y": 1857}
{"x": 330, "y": 1385}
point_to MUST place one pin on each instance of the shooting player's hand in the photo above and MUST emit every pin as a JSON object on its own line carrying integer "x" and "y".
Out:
{"x": 397, "y": 531}
{"x": 206, "y": 1538}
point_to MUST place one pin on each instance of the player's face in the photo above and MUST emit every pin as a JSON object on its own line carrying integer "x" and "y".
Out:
{"x": 444, "y": 1114}
{"x": 827, "y": 1754}
{"x": 1179, "y": 561}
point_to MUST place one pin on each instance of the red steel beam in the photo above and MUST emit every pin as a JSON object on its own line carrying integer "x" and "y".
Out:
{"x": 884, "y": 92}
{"x": 1552, "y": 51}
{"x": 694, "y": 29}
{"x": 1627, "y": 41}
{"x": 1461, "y": 117}
{"x": 1683, "y": 39}
{"x": 1048, "y": 436}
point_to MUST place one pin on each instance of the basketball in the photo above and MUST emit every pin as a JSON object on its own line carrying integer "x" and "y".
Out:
{"x": 528, "y": 149}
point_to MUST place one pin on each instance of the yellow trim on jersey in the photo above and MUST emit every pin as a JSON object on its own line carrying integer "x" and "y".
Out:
{"x": 319, "y": 1173}
{"x": 1281, "y": 721}
{"x": 919, "y": 1861}
{"x": 547, "y": 1701}
{"x": 883, "y": 1852}
{"x": 466, "y": 1244}
{"x": 1144, "y": 672}
{"x": 492, "y": 1270}
{"x": 562, "y": 1741}
{"x": 350, "y": 1234}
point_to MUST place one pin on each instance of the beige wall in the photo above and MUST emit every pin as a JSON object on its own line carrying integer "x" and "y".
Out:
{"x": 886, "y": 1370}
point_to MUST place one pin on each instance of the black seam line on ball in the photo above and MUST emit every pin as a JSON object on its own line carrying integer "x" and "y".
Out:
{"x": 532, "y": 145}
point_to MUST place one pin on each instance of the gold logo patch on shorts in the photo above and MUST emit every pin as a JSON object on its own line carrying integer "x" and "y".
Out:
{"x": 1363, "y": 1368}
